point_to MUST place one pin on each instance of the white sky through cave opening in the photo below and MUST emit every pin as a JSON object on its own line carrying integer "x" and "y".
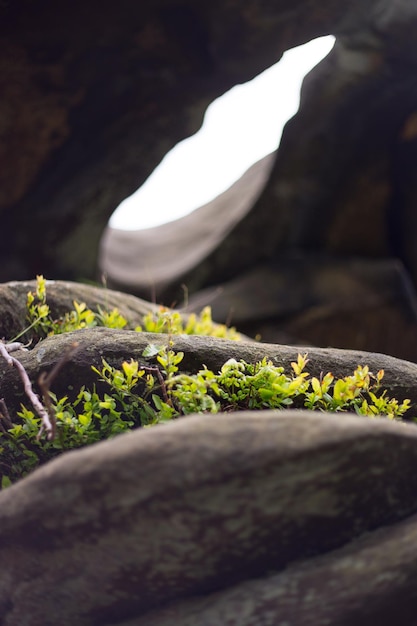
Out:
{"x": 240, "y": 127}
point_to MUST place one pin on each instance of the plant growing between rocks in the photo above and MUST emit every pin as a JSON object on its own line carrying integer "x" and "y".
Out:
{"x": 153, "y": 391}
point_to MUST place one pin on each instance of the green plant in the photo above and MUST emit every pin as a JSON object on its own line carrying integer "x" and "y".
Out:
{"x": 90, "y": 418}
{"x": 173, "y": 323}
{"x": 43, "y": 324}
{"x": 145, "y": 394}
{"x": 240, "y": 385}
{"x": 163, "y": 320}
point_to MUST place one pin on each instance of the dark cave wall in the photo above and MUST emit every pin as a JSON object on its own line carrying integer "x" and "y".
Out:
{"x": 95, "y": 94}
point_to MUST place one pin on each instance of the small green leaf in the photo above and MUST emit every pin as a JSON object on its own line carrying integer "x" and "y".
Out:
{"x": 157, "y": 402}
{"x": 151, "y": 350}
{"x": 5, "y": 482}
{"x": 85, "y": 420}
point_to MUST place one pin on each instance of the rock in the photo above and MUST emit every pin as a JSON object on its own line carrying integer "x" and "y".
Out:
{"x": 245, "y": 518}
{"x": 117, "y": 346}
{"x": 346, "y": 303}
{"x": 405, "y": 193}
{"x": 241, "y": 505}
{"x": 148, "y": 262}
{"x": 337, "y": 186}
{"x": 60, "y": 298}
{"x": 341, "y": 193}
{"x": 93, "y": 98}
{"x": 369, "y": 581}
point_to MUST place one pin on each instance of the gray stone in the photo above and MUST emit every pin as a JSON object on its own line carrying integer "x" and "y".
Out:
{"x": 117, "y": 346}
{"x": 93, "y": 98}
{"x": 341, "y": 193}
{"x": 307, "y": 299}
{"x": 60, "y": 299}
{"x": 148, "y": 262}
{"x": 369, "y": 581}
{"x": 156, "y": 517}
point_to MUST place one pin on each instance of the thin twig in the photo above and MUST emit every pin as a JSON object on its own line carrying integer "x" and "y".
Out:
{"x": 16, "y": 345}
{"x": 157, "y": 371}
{"x": 33, "y": 397}
{"x": 4, "y": 416}
{"x": 45, "y": 380}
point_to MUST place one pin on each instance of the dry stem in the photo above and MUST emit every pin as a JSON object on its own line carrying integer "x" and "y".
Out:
{"x": 46, "y": 413}
{"x": 33, "y": 397}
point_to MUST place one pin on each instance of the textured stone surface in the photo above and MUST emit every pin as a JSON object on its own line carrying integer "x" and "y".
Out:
{"x": 370, "y": 581}
{"x": 355, "y": 303}
{"x": 342, "y": 180}
{"x": 148, "y": 262}
{"x": 248, "y": 518}
{"x": 60, "y": 298}
{"x": 94, "y": 96}
{"x": 158, "y": 516}
{"x": 341, "y": 191}
{"x": 119, "y": 345}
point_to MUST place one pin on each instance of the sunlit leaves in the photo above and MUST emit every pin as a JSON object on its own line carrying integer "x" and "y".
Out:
{"x": 167, "y": 321}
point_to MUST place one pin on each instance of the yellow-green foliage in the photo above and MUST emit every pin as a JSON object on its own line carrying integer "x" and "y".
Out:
{"x": 263, "y": 385}
{"x": 165, "y": 320}
{"x": 142, "y": 394}
{"x": 41, "y": 322}
{"x": 145, "y": 395}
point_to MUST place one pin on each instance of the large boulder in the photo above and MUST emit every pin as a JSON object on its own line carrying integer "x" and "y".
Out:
{"x": 357, "y": 303}
{"x": 94, "y": 96}
{"x": 153, "y": 261}
{"x": 339, "y": 202}
{"x": 247, "y": 518}
{"x": 234, "y": 509}
{"x": 60, "y": 297}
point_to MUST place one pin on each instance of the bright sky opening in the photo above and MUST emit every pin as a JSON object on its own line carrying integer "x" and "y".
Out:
{"x": 240, "y": 127}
